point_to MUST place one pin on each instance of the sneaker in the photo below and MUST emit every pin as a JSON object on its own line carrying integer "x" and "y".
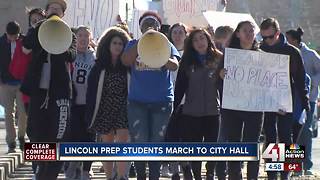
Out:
{"x": 187, "y": 174}
{"x": 12, "y": 147}
{"x": 21, "y": 143}
{"x": 101, "y": 169}
{"x": 73, "y": 171}
{"x": 132, "y": 172}
{"x": 12, "y": 150}
{"x": 165, "y": 170}
{"x": 297, "y": 174}
{"x": 308, "y": 173}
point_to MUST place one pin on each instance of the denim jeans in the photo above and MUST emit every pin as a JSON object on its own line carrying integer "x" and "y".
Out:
{"x": 306, "y": 137}
{"x": 147, "y": 123}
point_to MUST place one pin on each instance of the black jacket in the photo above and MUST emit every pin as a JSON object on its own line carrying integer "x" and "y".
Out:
{"x": 297, "y": 72}
{"x": 60, "y": 81}
{"x": 5, "y": 59}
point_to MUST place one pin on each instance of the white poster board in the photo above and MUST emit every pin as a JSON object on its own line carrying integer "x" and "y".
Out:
{"x": 97, "y": 14}
{"x": 256, "y": 81}
{"x": 189, "y": 11}
{"x": 216, "y": 19}
{"x": 134, "y": 26}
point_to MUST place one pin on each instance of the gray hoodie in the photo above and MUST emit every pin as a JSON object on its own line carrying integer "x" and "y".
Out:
{"x": 311, "y": 61}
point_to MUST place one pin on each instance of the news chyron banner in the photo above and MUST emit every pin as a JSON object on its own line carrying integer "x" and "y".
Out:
{"x": 142, "y": 152}
{"x": 280, "y": 157}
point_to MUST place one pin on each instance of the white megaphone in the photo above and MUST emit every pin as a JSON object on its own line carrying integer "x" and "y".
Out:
{"x": 55, "y": 35}
{"x": 154, "y": 49}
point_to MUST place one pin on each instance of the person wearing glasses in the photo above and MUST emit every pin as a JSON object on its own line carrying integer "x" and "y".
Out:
{"x": 279, "y": 124}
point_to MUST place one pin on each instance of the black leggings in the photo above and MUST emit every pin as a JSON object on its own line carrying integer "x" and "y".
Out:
{"x": 79, "y": 132}
{"x": 200, "y": 129}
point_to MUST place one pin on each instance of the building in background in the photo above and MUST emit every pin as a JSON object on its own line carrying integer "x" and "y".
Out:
{"x": 100, "y": 14}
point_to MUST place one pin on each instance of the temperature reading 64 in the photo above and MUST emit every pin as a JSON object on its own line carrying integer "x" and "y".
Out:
{"x": 292, "y": 167}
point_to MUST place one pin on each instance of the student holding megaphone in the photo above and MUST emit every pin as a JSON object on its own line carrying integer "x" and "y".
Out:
{"x": 151, "y": 58}
{"x": 48, "y": 82}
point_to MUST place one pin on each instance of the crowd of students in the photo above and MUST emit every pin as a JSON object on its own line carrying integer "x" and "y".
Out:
{"x": 103, "y": 92}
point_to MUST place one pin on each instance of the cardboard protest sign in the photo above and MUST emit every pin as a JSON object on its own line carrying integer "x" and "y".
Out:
{"x": 189, "y": 11}
{"x": 97, "y": 14}
{"x": 256, "y": 81}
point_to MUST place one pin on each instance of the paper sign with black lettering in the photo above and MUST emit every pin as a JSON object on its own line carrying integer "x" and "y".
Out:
{"x": 256, "y": 81}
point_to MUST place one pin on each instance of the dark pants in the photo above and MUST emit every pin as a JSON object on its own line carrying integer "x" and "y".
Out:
{"x": 79, "y": 130}
{"x": 242, "y": 126}
{"x": 174, "y": 134}
{"x": 200, "y": 129}
{"x": 221, "y": 166}
{"x": 296, "y": 132}
{"x": 278, "y": 127}
{"x": 48, "y": 124}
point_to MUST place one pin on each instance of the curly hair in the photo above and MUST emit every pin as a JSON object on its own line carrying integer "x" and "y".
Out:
{"x": 190, "y": 54}
{"x": 123, "y": 26}
{"x": 103, "y": 50}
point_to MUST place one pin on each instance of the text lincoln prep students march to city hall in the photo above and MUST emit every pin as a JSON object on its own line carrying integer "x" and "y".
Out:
{"x": 90, "y": 98}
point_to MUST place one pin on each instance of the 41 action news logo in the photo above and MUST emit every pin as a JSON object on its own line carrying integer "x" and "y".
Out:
{"x": 280, "y": 152}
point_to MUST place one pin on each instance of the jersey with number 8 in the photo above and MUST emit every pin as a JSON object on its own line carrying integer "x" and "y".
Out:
{"x": 82, "y": 66}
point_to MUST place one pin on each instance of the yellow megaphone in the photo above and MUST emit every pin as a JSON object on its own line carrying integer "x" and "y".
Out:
{"x": 55, "y": 35}
{"x": 154, "y": 49}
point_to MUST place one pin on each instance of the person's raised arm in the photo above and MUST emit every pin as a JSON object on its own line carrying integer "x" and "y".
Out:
{"x": 130, "y": 53}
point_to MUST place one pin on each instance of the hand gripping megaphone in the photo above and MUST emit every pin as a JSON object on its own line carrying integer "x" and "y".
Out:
{"x": 154, "y": 49}
{"x": 55, "y": 35}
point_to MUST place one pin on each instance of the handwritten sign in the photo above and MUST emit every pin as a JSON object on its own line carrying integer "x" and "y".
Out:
{"x": 189, "y": 11}
{"x": 256, "y": 81}
{"x": 97, "y": 14}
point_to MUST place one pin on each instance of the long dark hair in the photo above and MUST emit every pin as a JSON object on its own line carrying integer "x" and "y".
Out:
{"x": 296, "y": 34}
{"x": 103, "y": 50}
{"x": 235, "y": 40}
{"x": 190, "y": 54}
